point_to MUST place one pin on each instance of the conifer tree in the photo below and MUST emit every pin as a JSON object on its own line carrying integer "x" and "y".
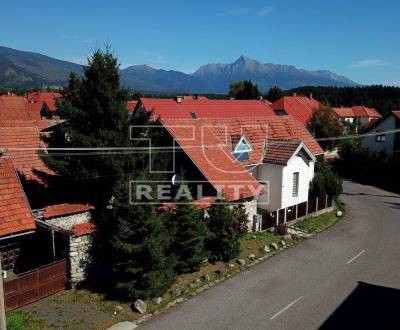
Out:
{"x": 274, "y": 94}
{"x": 129, "y": 254}
{"x": 189, "y": 239}
{"x": 142, "y": 266}
{"x": 224, "y": 240}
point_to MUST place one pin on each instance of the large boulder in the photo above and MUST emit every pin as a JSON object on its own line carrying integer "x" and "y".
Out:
{"x": 140, "y": 306}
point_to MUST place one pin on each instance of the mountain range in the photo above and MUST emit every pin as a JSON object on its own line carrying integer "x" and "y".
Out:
{"x": 21, "y": 69}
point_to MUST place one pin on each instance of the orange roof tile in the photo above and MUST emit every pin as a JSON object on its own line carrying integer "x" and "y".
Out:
{"x": 83, "y": 228}
{"x": 59, "y": 210}
{"x": 213, "y": 158}
{"x": 15, "y": 212}
{"x": 131, "y": 105}
{"x": 204, "y": 108}
{"x": 21, "y": 144}
{"x": 357, "y": 111}
{"x": 300, "y": 107}
{"x": 45, "y": 97}
{"x": 261, "y": 130}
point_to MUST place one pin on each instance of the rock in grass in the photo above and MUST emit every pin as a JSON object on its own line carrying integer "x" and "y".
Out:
{"x": 140, "y": 306}
{"x": 197, "y": 281}
{"x": 206, "y": 277}
{"x": 241, "y": 262}
{"x": 177, "y": 292}
{"x": 231, "y": 266}
{"x": 339, "y": 213}
{"x": 274, "y": 246}
{"x": 156, "y": 300}
{"x": 295, "y": 236}
{"x": 221, "y": 271}
{"x": 251, "y": 256}
{"x": 119, "y": 308}
{"x": 283, "y": 243}
{"x": 254, "y": 237}
{"x": 287, "y": 237}
{"x": 267, "y": 249}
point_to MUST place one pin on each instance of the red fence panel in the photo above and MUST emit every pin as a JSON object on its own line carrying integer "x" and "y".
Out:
{"x": 35, "y": 285}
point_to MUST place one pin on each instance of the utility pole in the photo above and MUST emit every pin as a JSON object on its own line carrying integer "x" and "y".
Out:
{"x": 3, "y": 325}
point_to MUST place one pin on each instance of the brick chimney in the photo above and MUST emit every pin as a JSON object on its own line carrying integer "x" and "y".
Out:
{"x": 294, "y": 94}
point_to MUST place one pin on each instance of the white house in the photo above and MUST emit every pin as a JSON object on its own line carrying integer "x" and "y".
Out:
{"x": 381, "y": 138}
{"x": 287, "y": 171}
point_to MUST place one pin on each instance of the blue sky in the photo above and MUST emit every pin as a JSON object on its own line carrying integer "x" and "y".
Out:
{"x": 356, "y": 38}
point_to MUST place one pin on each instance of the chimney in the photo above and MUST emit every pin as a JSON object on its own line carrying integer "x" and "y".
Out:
{"x": 178, "y": 99}
{"x": 294, "y": 94}
{"x": 311, "y": 96}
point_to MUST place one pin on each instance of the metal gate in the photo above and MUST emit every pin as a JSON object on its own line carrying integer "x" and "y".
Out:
{"x": 34, "y": 285}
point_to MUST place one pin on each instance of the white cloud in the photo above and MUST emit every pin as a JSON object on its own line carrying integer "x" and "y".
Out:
{"x": 368, "y": 63}
{"x": 264, "y": 11}
{"x": 244, "y": 11}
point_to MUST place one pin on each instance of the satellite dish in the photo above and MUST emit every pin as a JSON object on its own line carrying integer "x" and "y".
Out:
{"x": 176, "y": 179}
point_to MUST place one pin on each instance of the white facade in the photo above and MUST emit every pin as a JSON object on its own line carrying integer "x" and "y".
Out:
{"x": 279, "y": 179}
{"x": 382, "y": 142}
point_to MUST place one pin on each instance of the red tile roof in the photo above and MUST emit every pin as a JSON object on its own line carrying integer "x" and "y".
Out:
{"x": 259, "y": 130}
{"x": 205, "y": 108}
{"x": 83, "y": 228}
{"x": 15, "y": 212}
{"x": 21, "y": 144}
{"x": 131, "y": 105}
{"x": 279, "y": 152}
{"x": 300, "y": 107}
{"x": 396, "y": 113}
{"x": 213, "y": 158}
{"x": 357, "y": 111}
{"x": 61, "y": 210}
{"x": 47, "y": 97}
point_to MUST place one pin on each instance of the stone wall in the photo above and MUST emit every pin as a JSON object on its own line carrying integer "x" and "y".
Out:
{"x": 79, "y": 258}
{"x": 68, "y": 221}
{"x": 251, "y": 209}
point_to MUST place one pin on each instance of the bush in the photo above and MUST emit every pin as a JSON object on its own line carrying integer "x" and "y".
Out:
{"x": 282, "y": 229}
{"x": 325, "y": 181}
{"x": 224, "y": 239}
{"x": 368, "y": 167}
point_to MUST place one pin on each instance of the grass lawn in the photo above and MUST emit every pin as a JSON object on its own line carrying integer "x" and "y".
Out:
{"x": 19, "y": 320}
{"x": 82, "y": 309}
{"x": 315, "y": 225}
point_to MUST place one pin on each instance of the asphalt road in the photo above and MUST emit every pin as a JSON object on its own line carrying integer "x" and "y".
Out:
{"x": 338, "y": 279}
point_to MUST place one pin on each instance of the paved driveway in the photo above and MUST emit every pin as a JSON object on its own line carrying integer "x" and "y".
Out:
{"x": 340, "y": 278}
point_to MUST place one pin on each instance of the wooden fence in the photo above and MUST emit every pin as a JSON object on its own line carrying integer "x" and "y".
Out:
{"x": 34, "y": 285}
{"x": 313, "y": 205}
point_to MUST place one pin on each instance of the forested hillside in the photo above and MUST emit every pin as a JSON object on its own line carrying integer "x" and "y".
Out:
{"x": 382, "y": 98}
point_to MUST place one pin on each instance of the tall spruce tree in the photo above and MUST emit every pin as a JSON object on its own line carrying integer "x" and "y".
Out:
{"x": 94, "y": 110}
{"x": 224, "y": 239}
{"x": 142, "y": 266}
{"x": 130, "y": 248}
{"x": 190, "y": 237}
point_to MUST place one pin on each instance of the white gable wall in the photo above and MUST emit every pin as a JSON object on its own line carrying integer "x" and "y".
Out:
{"x": 272, "y": 174}
{"x": 388, "y": 146}
{"x": 306, "y": 174}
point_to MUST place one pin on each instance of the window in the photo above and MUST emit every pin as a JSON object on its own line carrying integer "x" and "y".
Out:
{"x": 380, "y": 138}
{"x": 280, "y": 112}
{"x": 243, "y": 145}
{"x": 295, "y": 191}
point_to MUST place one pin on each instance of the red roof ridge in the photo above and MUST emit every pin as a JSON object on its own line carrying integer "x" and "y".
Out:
{"x": 65, "y": 209}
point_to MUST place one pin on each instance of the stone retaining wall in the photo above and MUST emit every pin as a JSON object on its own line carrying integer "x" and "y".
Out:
{"x": 79, "y": 258}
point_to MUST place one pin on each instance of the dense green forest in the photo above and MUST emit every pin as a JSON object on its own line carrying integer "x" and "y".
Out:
{"x": 382, "y": 98}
